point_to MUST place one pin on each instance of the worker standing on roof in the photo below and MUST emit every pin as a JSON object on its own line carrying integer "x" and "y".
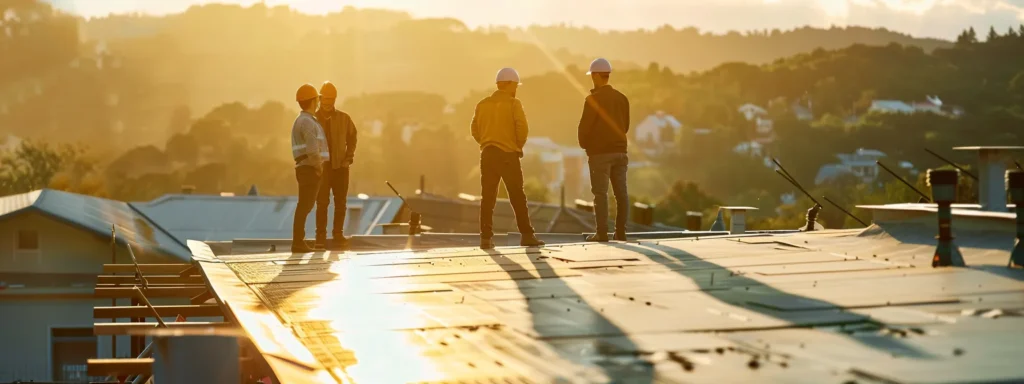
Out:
{"x": 602, "y": 133}
{"x": 499, "y": 126}
{"x": 309, "y": 149}
{"x": 340, "y": 132}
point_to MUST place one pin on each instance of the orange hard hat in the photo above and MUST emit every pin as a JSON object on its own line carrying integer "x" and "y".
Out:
{"x": 305, "y": 92}
{"x": 328, "y": 90}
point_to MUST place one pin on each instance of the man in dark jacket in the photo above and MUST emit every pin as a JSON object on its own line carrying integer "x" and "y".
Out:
{"x": 341, "y": 137}
{"x": 602, "y": 133}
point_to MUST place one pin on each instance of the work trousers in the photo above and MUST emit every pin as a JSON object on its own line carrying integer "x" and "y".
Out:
{"x": 605, "y": 167}
{"x": 497, "y": 165}
{"x": 335, "y": 180}
{"x": 309, "y": 185}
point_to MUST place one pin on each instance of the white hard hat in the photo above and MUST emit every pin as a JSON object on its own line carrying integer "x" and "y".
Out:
{"x": 600, "y": 65}
{"x": 507, "y": 74}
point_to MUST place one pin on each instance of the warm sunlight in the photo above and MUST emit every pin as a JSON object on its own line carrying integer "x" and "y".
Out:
{"x": 484, "y": 191}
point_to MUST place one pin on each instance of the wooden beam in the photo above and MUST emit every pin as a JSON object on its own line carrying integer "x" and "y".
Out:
{"x": 164, "y": 311}
{"x": 156, "y": 269}
{"x": 201, "y": 298}
{"x": 119, "y": 367}
{"x": 151, "y": 279}
{"x": 151, "y": 292}
{"x": 106, "y": 329}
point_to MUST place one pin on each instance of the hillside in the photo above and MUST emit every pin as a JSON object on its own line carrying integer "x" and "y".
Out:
{"x": 689, "y": 49}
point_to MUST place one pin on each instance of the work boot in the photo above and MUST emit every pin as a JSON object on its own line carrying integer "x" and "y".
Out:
{"x": 598, "y": 237}
{"x": 339, "y": 242}
{"x": 301, "y": 246}
{"x": 531, "y": 241}
{"x": 620, "y": 236}
{"x": 486, "y": 243}
{"x": 320, "y": 242}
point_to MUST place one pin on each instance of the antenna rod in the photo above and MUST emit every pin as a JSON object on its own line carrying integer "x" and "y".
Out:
{"x": 797, "y": 185}
{"x": 396, "y": 192}
{"x": 907, "y": 183}
{"x": 953, "y": 164}
{"x": 791, "y": 180}
{"x": 786, "y": 173}
{"x": 845, "y": 211}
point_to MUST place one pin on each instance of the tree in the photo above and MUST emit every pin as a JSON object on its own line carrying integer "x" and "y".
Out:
{"x": 681, "y": 198}
{"x": 33, "y": 165}
{"x": 183, "y": 148}
{"x": 992, "y": 35}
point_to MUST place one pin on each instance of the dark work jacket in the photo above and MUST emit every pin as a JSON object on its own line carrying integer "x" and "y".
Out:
{"x": 605, "y": 122}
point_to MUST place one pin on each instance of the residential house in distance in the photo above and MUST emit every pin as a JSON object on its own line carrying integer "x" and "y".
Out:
{"x": 657, "y": 132}
{"x": 860, "y": 164}
{"x": 563, "y": 166}
{"x": 932, "y": 105}
{"x": 764, "y": 128}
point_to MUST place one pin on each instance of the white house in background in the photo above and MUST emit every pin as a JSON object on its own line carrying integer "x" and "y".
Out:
{"x": 563, "y": 165}
{"x": 752, "y": 111}
{"x": 801, "y": 112}
{"x": 890, "y": 106}
{"x": 657, "y": 130}
{"x": 751, "y": 148}
{"x": 860, "y": 164}
{"x": 932, "y": 105}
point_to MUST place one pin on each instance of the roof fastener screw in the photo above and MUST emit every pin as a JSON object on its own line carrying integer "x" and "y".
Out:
{"x": 958, "y": 351}
{"x": 648, "y": 303}
{"x": 754, "y": 364}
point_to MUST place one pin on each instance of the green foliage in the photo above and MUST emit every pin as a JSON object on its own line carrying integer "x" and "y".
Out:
{"x": 683, "y": 197}
{"x": 32, "y": 165}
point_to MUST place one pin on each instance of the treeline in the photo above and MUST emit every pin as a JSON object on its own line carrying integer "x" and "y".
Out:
{"x": 690, "y": 49}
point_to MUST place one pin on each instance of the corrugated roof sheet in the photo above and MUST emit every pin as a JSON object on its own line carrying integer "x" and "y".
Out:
{"x": 225, "y": 218}
{"x": 97, "y": 215}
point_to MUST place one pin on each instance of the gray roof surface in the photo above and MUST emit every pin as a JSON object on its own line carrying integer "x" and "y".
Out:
{"x": 837, "y": 306}
{"x": 226, "y": 218}
{"x": 96, "y": 215}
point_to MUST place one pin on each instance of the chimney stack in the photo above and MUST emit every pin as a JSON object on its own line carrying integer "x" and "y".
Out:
{"x": 187, "y": 189}
{"x": 693, "y": 220}
{"x": 812, "y": 217}
{"x": 1015, "y": 185}
{"x": 943, "y": 183}
{"x": 253, "y": 191}
{"x": 643, "y": 214}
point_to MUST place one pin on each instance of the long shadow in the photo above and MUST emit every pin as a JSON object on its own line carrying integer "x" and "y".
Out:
{"x": 672, "y": 256}
{"x": 619, "y": 362}
{"x": 923, "y": 234}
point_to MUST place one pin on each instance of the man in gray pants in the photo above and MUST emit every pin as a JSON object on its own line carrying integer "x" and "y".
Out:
{"x": 602, "y": 133}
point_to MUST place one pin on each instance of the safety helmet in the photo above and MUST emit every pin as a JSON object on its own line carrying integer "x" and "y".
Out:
{"x": 305, "y": 92}
{"x": 328, "y": 90}
{"x": 507, "y": 74}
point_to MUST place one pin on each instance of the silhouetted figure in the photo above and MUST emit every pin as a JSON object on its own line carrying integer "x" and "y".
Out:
{"x": 309, "y": 149}
{"x": 340, "y": 133}
{"x": 499, "y": 126}
{"x": 602, "y": 133}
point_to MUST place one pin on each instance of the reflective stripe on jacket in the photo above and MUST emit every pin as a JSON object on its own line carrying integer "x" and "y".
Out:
{"x": 309, "y": 145}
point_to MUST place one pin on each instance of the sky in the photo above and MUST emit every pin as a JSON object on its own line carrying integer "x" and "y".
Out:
{"x": 925, "y": 18}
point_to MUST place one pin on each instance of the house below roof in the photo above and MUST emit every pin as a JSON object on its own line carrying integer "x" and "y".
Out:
{"x": 225, "y": 218}
{"x": 87, "y": 215}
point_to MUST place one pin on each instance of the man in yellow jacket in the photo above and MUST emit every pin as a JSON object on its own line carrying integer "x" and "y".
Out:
{"x": 341, "y": 142}
{"x": 499, "y": 126}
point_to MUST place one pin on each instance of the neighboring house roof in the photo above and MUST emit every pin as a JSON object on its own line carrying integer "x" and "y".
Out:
{"x": 891, "y": 106}
{"x": 226, "y": 218}
{"x": 752, "y": 108}
{"x": 829, "y": 172}
{"x": 445, "y": 215}
{"x": 96, "y": 215}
